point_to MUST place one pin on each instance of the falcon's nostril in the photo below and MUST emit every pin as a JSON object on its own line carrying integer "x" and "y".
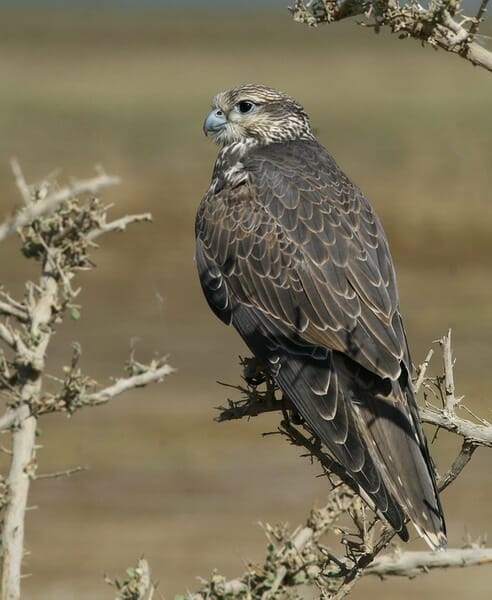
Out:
{"x": 215, "y": 121}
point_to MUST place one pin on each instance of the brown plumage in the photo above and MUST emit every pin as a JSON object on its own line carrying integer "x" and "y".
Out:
{"x": 290, "y": 252}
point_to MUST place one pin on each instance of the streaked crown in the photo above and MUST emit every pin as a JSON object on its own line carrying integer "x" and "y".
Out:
{"x": 257, "y": 113}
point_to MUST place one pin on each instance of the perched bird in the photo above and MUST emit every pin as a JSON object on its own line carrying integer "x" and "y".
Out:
{"x": 290, "y": 252}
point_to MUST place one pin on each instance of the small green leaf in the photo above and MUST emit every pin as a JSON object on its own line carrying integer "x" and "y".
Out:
{"x": 299, "y": 578}
{"x": 75, "y": 314}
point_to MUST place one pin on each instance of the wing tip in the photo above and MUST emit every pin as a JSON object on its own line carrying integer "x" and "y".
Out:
{"x": 436, "y": 540}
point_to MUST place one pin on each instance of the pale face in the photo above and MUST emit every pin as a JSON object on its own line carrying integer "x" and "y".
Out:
{"x": 257, "y": 113}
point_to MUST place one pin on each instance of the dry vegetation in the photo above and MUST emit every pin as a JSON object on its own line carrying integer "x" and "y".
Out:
{"x": 129, "y": 90}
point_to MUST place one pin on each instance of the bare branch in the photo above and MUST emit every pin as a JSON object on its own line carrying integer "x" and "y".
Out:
{"x": 239, "y": 410}
{"x": 464, "y": 456}
{"x": 474, "y": 434}
{"x": 24, "y": 190}
{"x": 152, "y": 375}
{"x": 7, "y": 336}
{"x": 119, "y": 224}
{"x": 478, "y": 434}
{"x": 18, "y": 487}
{"x": 8, "y": 419}
{"x": 9, "y": 310}
{"x": 422, "y": 371}
{"x": 478, "y": 19}
{"x": 23, "y": 463}
{"x": 411, "y": 564}
{"x": 450, "y": 399}
{"x": 57, "y": 474}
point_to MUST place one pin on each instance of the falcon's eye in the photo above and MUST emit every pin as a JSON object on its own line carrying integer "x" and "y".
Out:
{"x": 245, "y": 106}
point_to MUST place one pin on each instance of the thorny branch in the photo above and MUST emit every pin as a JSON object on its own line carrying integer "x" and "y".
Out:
{"x": 304, "y": 556}
{"x": 57, "y": 229}
{"x": 439, "y": 23}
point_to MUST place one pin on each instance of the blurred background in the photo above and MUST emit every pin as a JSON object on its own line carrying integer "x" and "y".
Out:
{"x": 127, "y": 85}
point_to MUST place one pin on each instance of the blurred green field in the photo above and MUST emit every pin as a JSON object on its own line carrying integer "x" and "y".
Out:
{"x": 129, "y": 90}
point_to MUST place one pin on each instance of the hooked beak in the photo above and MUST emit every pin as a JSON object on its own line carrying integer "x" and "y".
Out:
{"x": 214, "y": 121}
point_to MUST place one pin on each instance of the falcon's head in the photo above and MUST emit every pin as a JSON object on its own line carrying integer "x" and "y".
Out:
{"x": 256, "y": 113}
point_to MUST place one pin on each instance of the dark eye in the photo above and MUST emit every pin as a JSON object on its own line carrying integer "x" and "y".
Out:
{"x": 245, "y": 106}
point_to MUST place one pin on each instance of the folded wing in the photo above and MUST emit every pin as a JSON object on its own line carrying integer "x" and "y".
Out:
{"x": 296, "y": 259}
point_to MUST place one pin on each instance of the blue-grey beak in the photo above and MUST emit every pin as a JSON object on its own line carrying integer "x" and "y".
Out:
{"x": 215, "y": 121}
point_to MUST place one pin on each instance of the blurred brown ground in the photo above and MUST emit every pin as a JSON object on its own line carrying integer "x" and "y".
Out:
{"x": 129, "y": 90}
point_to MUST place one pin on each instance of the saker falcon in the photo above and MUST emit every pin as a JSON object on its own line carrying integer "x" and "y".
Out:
{"x": 290, "y": 252}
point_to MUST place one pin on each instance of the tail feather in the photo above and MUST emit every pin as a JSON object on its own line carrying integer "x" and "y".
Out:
{"x": 295, "y": 377}
{"x": 392, "y": 431}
